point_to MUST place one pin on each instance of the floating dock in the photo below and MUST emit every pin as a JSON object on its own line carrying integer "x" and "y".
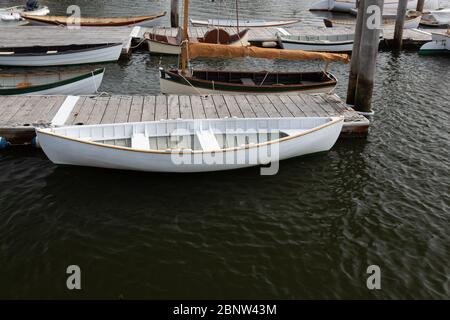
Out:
{"x": 20, "y": 115}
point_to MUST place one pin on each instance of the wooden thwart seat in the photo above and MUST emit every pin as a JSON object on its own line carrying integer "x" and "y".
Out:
{"x": 207, "y": 140}
{"x": 248, "y": 81}
{"x": 140, "y": 142}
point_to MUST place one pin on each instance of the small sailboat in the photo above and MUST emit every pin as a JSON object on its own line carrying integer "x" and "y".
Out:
{"x": 163, "y": 44}
{"x": 347, "y": 6}
{"x": 189, "y": 145}
{"x": 185, "y": 81}
{"x": 77, "y": 82}
{"x": 41, "y": 56}
{"x": 319, "y": 43}
{"x": 440, "y": 44}
{"x": 246, "y": 23}
{"x": 142, "y": 21}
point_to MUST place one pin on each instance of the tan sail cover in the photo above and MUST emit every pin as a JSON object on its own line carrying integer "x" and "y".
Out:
{"x": 197, "y": 50}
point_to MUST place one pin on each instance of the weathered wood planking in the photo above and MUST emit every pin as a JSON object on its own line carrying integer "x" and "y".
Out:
{"x": 20, "y": 115}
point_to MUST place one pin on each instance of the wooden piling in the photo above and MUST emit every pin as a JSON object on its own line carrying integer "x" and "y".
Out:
{"x": 175, "y": 13}
{"x": 399, "y": 24}
{"x": 354, "y": 64}
{"x": 420, "y": 4}
{"x": 368, "y": 54}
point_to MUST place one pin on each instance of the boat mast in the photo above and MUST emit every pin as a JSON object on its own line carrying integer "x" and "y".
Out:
{"x": 185, "y": 44}
{"x": 237, "y": 15}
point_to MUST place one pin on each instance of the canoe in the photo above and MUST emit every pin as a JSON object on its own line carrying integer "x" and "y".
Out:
{"x": 143, "y": 21}
{"x": 38, "y": 56}
{"x": 242, "y": 23}
{"x": 238, "y": 82}
{"x": 189, "y": 145}
{"x": 347, "y": 6}
{"x": 79, "y": 82}
{"x": 411, "y": 22}
{"x": 162, "y": 44}
{"x": 318, "y": 43}
{"x": 440, "y": 44}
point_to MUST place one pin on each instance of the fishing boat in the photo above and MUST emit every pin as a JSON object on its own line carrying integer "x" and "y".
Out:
{"x": 438, "y": 19}
{"x": 143, "y": 21}
{"x": 78, "y": 82}
{"x": 39, "y": 56}
{"x": 163, "y": 44}
{"x": 347, "y": 6}
{"x": 15, "y": 13}
{"x": 412, "y": 21}
{"x": 189, "y": 145}
{"x": 247, "y": 23}
{"x": 440, "y": 44}
{"x": 191, "y": 82}
{"x": 319, "y": 43}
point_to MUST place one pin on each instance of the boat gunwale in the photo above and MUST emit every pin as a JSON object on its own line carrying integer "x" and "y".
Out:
{"x": 333, "y": 121}
{"x": 73, "y": 51}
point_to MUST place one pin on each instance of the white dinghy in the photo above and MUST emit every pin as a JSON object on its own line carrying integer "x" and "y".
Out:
{"x": 244, "y": 23}
{"x": 42, "y": 56}
{"x": 16, "y": 13}
{"x": 70, "y": 82}
{"x": 189, "y": 145}
{"x": 348, "y": 6}
{"x": 318, "y": 43}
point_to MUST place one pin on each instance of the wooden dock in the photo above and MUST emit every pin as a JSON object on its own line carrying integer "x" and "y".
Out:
{"x": 20, "y": 115}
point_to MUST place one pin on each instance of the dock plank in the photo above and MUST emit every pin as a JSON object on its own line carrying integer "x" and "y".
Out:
{"x": 161, "y": 111}
{"x": 233, "y": 107}
{"x": 85, "y": 112}
{"x": 32, "y": 105}
{"x": 210, "y": 109}
{"x": 245, "y": 107}
{"x": 221, "y": 106}
{"x": 98, "y": 111}
{"x": 123, "y": 112}
{"x": 173, "y": 104}
{"x": 198, "y": 111}
{"x": 257, "y": 106}
{"x": 186, "y": 111}
{"x": 11, "y": 109}
{"x": 136, "y": 109}
{"x": 268, "y": 106}
{"x": 111, "y": 110}
{"x": 148, "y": 112}
{"x": 75, "y": 111}
{"x": 280, "y": 106}
{"x": 305, "y": 106}
{"x": 293, "y": 108}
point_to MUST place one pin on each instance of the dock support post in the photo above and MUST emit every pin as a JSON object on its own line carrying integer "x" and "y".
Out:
{"x": 368, "y": 52}
{"x": 420, "y": 5}
{"x": 354, "y": 64}
{"x": 399, "y": 24}
{"x": 175, "y": 13}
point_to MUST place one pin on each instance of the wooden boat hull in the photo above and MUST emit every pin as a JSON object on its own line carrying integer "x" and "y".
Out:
{"x": 94, "y": 54}
{"x": 78, "y": 148}
{"x": 143, "y": 21}
{"x": 172, "y": 83}
{"x": 171, "y": 49}
{"x": 242, "y": 23}
{"x": 75, "y": 83}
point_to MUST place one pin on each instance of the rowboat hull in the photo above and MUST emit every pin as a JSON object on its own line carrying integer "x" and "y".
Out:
{"x": 242, "y": 23}
{"x": 82, "y": 84}
{"x": 41, "y": 11}
{"x": 143, "y": 21}
{"x": 440, "y": 45}
{"x": 388, "y": 23}
{"x": 171, "y": 49}
{"x": 64, "y": 150}
{"x": 172, "y": 83}
{"x": 96, "y": 55}
{"x": 346, "y": 47}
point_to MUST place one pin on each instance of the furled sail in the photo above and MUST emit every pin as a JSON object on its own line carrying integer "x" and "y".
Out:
{"x": 197, "y": 50}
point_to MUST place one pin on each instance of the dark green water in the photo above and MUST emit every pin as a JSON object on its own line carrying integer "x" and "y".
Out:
{"x": 309, "y": 232}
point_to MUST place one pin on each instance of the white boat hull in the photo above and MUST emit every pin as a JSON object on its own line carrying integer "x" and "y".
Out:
{"x": 439, "y": 45}
{"x": 242, "y": 23}
{"x": 69, "y": 151}
{"x": 99, "y": 55}
{"x": 347, "y": 7}
{"x": 348, "y": 47}
{"x": 169, "y": 49}
{"x": 171, "y": 87}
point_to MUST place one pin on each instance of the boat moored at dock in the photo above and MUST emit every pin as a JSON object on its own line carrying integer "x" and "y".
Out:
{"x": 440, "y": 44}
{"x": 76, "y": 82}
{"x": 245, "y": 23}
{"x": 347, "y": 6}
{"x": 189, "y": 145}
{"x": 40, "y": 56}
{"x": 319, "y": 43}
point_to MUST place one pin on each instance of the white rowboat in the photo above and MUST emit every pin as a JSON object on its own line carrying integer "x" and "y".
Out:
{"x": 348, "y": 5}
{"x": 60, "y": 55}
{"x": 440, "y": 44}
{"x": 78, "y": 82}
{"x": 244, "y": 23}
{"x": 189, "y": 145}
{"x": 318, "y": 43}
{"x": 15, "y": 13}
